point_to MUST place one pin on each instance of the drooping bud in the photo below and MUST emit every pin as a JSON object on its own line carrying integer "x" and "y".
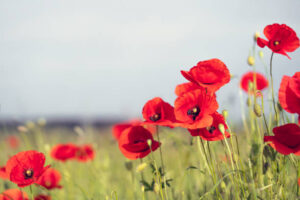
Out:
{"x": 251, "y": 60}
{"x": 257, "y": 110}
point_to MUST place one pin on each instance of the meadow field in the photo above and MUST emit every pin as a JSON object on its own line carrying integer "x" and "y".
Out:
{"x": 187, "y": 150}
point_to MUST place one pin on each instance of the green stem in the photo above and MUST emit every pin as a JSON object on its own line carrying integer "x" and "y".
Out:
{"x": 272, "y": 87}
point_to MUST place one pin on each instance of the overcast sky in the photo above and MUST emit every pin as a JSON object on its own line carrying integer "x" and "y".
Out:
{"x": 107, "y": 58}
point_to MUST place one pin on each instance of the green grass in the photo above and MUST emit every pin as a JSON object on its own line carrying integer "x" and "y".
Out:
{"x": 109, "y": 175}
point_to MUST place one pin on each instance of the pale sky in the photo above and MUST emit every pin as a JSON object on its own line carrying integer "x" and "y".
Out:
{"x": 107, "y": 58}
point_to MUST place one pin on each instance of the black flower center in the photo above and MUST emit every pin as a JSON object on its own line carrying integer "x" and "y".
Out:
{"x": 155, "y": 117}
{"x": 194, "y": 112}
{"x": 28, "y": 173}
{"x": 211, "y": 129}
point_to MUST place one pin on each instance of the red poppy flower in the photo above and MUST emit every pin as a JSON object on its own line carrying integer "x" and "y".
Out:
{"x": 193, "y": 110}
{"x": 289, "y": 93}
{"x": 158, "y": 112}
{"x": 13, "y": 141}
{"x": 119, "y": 128}
{"x": 13, "y": 194}
{"x": 133, "y": 142}
{"x": 63, "y": 152}
{"x": 50, "y": 179}
{"x": 212, "y": 133}
{"x": 185, "y": 87}
{"x": 42, "y": 197}
{"x": 286, "y": 139}
{"x": 261, "y": 81}
{"x": 84, "y": 153}
{"x": 281, "y": 38}
{"x": 299, "y": 182}
{"x": 26, "y": 167}
{"x": 3, "y": 174}
{"x": 210, "y": 74}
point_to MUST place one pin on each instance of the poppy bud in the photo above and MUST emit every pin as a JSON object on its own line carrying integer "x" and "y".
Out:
{"x": 248, "y": 101}
{"x": 141, "y": 167}
{"x": 156, "y": 188}
{"x": 225, "y": 114}
{"x": 261, "y": 54}
{"x": 128, "y": 165}
{"x": 221, "y": 128}
{"x": 257, "y": 110}
{"x": 149, "y": 142}
{"x": 251, "y": 60}
{"x": 256, "y": 35}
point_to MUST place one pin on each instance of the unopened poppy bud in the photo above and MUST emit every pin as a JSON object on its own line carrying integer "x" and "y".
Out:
{"x": 256, "y": 35}
{"x": 257, "y": 110}
{"x": 128, "y": 165}
{"x": 261, "y": 54}
{"x": 156, "y": 188}
{"x": 221, "y": 128}
{"x": 141, "y": 167}
{"x": 249, "y": 102}
{"x": 225, "y": 114}
{"x": 251, "y": 60}
{"x": 149, "y": 142}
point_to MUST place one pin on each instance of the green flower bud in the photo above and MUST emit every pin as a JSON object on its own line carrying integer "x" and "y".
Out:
{"x": 257, "y": 110}
{"x": 149, "y": 142}
{"x": 261, "y": 54}
{"x": 221, "y": 128}
{"x": 251, "y": 60}
{"x": 249, "y": 102}
{"x": 225, "y": 114}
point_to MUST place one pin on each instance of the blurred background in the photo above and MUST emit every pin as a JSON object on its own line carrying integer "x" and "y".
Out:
{"x": 99, "y": 60}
